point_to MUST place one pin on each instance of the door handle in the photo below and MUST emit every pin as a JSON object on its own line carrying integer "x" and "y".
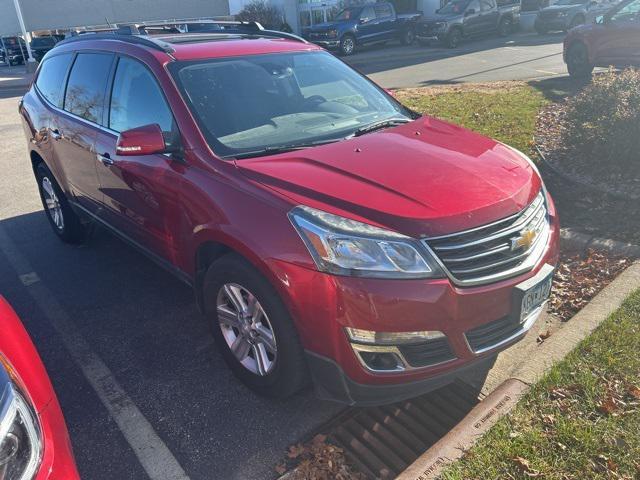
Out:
{"x": 106, "y": 159}
{"x": 56, "y": 134}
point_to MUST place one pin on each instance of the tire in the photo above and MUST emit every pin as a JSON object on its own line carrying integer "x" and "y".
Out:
{"x": 453, "y": 38}
{"x": 505, "y": 27}
{"x": 65, "y": 223}
{"x": 287, "y": 373}
{"x": 408, "y": 37}
{"x": 578, "y": 63}
{"x": 347, "y": 45}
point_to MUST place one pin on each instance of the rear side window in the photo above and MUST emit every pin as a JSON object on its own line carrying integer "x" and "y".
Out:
{"x": 136, "y": 99}
{"x": 87, "y": 85}
{"x": 50, "y": 80}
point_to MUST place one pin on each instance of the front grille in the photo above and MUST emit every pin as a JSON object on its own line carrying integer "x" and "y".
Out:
{"x": 491, "y": 334}
{"x": 429, "y": 353}
{"x": 493, "y": 252}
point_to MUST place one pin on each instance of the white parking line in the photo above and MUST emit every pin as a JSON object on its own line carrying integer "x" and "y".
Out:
{"x": 153, "y": 454}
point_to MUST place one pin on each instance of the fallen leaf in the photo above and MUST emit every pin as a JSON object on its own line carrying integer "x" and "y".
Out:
{"x": 524, "y": 465}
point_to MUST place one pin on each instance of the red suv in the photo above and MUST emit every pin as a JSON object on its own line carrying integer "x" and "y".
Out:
{"x": 614, "y": 39}
{"x": 329, "y": 233}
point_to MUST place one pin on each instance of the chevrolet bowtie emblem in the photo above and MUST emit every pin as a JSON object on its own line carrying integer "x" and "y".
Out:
{"x": 524, "y": 241}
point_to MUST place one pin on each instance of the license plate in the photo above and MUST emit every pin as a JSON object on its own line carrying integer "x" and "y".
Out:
{"x": 534, "y": 297}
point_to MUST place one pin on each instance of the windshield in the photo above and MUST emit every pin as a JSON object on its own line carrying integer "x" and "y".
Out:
{"x": 258, "y": 102}
{"x": 455, "y": 6}
{"x": 348, "y": 14}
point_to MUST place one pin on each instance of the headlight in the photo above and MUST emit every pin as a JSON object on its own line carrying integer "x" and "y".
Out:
{"x": 332, "y": 33}
{"x": 20, "y": 437}
{"x": 440, "y": 25}
{"x": 562, "y": 14}
{"x": 346, "y": 247}
{"x": 391, "y": 338}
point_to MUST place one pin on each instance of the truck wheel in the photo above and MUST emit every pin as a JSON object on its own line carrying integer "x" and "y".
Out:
{"x": 578, "y": 61}
{"x": 347, "y": 45}
{"x": 505, "y": 27}
{"x": 408, "y": 37}
{"x": 454, "y": 38}
{"x": 253, "y": 329}
{"x": 64, "y": 221}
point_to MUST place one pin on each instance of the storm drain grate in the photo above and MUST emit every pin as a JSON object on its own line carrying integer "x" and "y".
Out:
{"x": 383, "y": 441}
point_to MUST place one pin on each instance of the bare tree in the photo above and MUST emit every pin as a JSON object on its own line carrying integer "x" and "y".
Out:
{"x": 269, "y": 16}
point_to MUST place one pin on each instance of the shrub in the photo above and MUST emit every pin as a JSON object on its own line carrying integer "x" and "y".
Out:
{"x": 603, "y": 125}
{"x": 269, "y": 16}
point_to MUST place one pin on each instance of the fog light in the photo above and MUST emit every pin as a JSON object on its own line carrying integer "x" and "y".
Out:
{"x": 381, "y": 361}
{"x": 391, "y": 338}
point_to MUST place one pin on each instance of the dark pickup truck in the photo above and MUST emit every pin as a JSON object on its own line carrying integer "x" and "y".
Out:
{"x": 365, "y": 24}
{"x": 466, "y": 18}
{"x": 14, "y": 50}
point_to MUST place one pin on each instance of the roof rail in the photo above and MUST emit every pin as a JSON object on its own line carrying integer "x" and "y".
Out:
{"x": 122, "y": 36}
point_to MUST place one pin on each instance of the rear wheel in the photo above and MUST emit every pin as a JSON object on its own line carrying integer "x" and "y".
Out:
{"x": 578, "y": 61}
{"x": 454, "y": 38}
{"x": 347, "y": 45}
{"x": 408, "y": 37}
{"x": 253, "y": 328}
{"x": 64, "y": 221}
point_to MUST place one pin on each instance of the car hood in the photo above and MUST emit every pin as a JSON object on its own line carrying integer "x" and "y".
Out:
{"x": 560, "y": 8}
{"x": 323, "y": 27}
{"x": 424, "y": 178}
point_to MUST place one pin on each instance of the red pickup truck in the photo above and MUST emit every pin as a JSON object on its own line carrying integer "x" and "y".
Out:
{"x": 330, "y": 233}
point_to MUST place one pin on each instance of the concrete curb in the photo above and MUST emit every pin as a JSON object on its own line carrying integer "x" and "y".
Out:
{"x": 571, "y": 240}
{"x": 498, "y": 403}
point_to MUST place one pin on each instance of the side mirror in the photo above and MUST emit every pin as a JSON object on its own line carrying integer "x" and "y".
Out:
{"x": 470, "y": 11}
{"x": 145, "y": 140}
{"x": 390, "y": 92}
{"x": 599, "y": 20}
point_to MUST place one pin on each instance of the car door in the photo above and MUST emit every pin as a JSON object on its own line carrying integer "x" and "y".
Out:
{"x": 385, "y": 19}
{"x": 472, "y": 19}
{"x": 618, "y": 40}
{"x": 141, "y": 200}
{"x": 368, "y": 28}
{"x": 74, "y": 130}
{"x": 488, "y": 16}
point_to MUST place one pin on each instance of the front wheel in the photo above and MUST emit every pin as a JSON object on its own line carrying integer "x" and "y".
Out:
{"x": 253, "y": 328}
{"x": 408, "y": 37}
{"x": 578, "y": 62}
{"x": 453, "y": 39}
{"x": 505, "y": 27}
{"x": 347, "y": 45}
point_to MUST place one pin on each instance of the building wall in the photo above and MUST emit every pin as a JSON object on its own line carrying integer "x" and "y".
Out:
{"x": 53, "y": 14}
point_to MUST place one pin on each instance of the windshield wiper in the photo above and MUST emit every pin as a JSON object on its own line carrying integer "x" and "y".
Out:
{"x": 274, "y": 150}
{"x": 372, "y": 127}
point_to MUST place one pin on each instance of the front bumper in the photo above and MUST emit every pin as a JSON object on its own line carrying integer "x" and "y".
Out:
{"x": 323, "y": 305}
{"x": 329, "y": 44}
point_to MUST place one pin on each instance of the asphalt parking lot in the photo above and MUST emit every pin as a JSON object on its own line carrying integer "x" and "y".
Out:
{"x": 521, "y": 56}
{"x": 143, "y": 389}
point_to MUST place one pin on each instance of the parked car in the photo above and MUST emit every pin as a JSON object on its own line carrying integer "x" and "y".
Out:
{"x": 329, "y": 232}
{"x": 34, "y": 443}
{"x": 41, "y": 45}
{"x": 567, "y": 14}
{"x": 14, "y": 50}
{"x": 467, "y": 18}
{"x": 613, "y": 39}
{"x": 363, "y": 25}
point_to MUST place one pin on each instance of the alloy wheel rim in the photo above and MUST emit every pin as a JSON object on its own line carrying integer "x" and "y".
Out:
{"x": 246, "y": 328}
{"x": 52, "y": 203}
{"x": 348, "y": 45}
